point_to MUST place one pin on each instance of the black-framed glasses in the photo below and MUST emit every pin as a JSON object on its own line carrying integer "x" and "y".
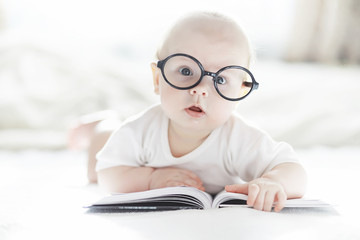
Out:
{"x": 182, "y": 71}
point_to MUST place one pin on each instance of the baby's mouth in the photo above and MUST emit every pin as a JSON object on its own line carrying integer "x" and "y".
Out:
{"x": 195, "y": 111}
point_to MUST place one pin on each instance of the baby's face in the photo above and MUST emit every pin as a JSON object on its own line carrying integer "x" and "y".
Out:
{"x": 200, "y": 108}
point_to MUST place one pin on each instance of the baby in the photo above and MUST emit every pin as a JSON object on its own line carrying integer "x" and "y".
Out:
{"x": 194, "y": 137}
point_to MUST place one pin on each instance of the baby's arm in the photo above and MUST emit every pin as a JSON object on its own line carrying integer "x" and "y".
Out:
{"x": 286, "y": 180}
{"x": 133, "y": 179}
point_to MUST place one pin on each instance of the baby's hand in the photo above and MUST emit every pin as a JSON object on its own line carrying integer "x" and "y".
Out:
{"x": 262, "y": 193}
{"x": 172, "y": 177}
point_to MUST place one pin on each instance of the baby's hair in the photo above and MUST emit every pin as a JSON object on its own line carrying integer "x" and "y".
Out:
{"x": 211, "y": 16}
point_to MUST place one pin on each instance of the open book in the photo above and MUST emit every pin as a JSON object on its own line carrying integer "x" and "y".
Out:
{"x": 176, "y": 198}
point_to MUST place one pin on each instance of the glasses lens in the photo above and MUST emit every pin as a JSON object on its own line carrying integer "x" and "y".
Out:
{"x": 234, "y": 83}
{"x": 182, "y": 71}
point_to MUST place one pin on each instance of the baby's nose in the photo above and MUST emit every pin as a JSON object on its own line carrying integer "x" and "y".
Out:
{"x": 200, "y": 90}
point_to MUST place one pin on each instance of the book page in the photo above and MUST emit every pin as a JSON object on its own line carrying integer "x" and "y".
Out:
{"x": 182, "y": 195}
{"x": 228, "y": 199}
{"x": 223, "y": 197}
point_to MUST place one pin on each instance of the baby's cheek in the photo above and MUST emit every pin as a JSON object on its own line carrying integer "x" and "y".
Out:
{"x": 222, "y": 112}
{"x": 169, "y": 100}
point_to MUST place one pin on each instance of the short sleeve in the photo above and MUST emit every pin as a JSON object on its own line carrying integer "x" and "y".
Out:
{"x": 252, "y": 152}
{"x": 122, "y": 148}
{"x": 272, "y": 154}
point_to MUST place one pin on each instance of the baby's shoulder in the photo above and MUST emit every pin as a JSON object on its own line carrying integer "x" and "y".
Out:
{"x": 148, "y": 118}
{"x": 239, "y": 126}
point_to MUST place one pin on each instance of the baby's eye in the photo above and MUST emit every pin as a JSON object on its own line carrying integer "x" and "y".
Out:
{"x": 220, "y": 80}
{"x": 185, "y": 71}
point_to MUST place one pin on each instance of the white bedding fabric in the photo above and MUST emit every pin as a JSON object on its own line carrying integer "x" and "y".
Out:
{"x": 42, "y": 194}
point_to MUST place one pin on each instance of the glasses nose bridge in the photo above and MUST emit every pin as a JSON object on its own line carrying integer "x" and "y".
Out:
{"x": 211, "y": 74}
{"x": 202, "y": 83}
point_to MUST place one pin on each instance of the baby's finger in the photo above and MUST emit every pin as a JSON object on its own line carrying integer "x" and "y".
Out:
{"x": 195, "y": 184}
{"x": 191, "y": 175}
{"x": 269, "y": 201}
{"x": 175, "y": 184}
{"x": 253, "y": 191}
{"x": 281, "y": 198}
{"x": 192, "y": 183}
{"x": 238, "y": 188}
{"x": 259, "y": 202}
{"x": 186, "y": 182}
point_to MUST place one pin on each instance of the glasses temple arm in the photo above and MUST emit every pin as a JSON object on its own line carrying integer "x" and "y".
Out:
{"x": 255, "y": 85}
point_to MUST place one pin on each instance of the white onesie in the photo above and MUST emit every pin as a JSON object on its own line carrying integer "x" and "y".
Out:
{"x": 233, "y": 153}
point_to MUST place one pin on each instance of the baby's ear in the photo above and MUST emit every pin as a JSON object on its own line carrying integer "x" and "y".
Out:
{"x": 156, "y": 74}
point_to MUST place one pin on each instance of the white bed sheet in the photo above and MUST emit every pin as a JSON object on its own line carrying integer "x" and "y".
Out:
{"x": 42, "y": 194}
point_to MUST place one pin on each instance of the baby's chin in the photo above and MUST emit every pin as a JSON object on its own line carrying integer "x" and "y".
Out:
{"x": 204, "y": 125}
